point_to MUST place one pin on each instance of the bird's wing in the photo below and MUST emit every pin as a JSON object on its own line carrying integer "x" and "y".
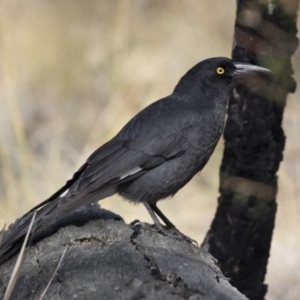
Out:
{"x": 118, "y": 161}
{"x": 115, "y": 162}
{"x": 122, "y": 160}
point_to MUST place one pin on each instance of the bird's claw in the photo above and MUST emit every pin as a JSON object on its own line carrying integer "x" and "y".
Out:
{"x": 172, "y": 232}
{"x": 175, "y": 233}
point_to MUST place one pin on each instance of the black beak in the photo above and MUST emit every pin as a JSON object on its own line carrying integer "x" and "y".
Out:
{"x": 244, "y": 69}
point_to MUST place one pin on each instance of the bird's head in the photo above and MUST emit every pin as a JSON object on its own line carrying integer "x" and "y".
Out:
{"x": 216, "y": 77}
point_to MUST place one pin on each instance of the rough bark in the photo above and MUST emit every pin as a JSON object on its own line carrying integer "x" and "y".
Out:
{"x": 107, "y": 259}
{"x": 241, "y": 232}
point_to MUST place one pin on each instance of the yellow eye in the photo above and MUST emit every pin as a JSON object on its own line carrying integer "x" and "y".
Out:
{"x": 220, "y": 71}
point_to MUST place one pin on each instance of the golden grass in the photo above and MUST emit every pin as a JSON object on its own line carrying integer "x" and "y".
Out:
{"x": 19, "y": 263}
{"x": 72, "y": 73}
{"x": 54, "y": 273}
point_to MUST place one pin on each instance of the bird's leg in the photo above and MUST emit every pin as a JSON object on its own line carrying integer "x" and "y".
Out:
{"x": 161, "y": 215}
{"x": 173, "y": 232}
{"x": 154, "y": 217}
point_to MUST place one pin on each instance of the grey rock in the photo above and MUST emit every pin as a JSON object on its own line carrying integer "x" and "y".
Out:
{"x": 108, "y": 259}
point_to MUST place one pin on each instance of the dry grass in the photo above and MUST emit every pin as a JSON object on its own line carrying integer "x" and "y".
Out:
{"x": 54, "y": 273}
{"x": 19, "y": 263}
{"x": 72, "y": 74}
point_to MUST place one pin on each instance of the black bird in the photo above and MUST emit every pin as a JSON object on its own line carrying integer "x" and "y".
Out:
{"x": 155, "y": 154}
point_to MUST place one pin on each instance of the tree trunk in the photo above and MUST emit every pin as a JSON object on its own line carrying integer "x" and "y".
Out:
{"x": 241, "y": 232}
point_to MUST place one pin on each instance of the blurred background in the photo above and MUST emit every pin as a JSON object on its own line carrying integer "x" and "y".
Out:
{"x": 72, "y": 73}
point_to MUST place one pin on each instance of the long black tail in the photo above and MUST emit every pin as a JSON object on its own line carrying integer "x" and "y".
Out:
{"x": 14, "y": 236}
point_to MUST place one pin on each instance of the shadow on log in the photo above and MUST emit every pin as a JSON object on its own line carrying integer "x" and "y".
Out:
{"x": 108, "y": 259}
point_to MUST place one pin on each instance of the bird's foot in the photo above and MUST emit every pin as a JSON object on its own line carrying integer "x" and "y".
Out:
{"x": 167, "y": 231}
{"x": 175, "y": 233}
{"x": 136, "y": 225}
